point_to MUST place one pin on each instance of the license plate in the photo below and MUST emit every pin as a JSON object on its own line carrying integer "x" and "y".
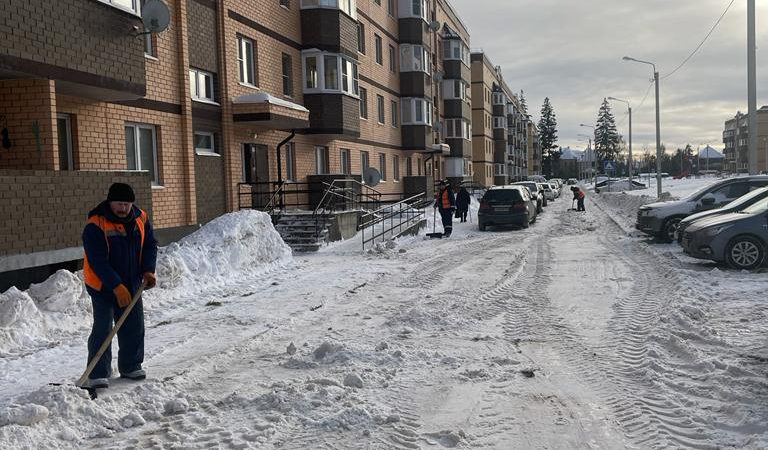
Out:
{"x": 501, "y": 209}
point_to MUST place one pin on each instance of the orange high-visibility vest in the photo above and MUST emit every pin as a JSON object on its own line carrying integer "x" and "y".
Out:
{"x": 110, "y": 229}
{"x": 445, "y": 198}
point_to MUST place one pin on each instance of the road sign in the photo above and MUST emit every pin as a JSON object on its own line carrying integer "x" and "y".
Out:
{"x": 609, "y": 166}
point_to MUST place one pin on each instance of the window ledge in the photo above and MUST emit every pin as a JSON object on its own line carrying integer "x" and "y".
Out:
{"x": 206, "y": 153}
{"x": 252, "y": 86}
{"x": 157, "y": 187}
{"x": 150, "y": 57}
{"x": 285, "y": 7}
{"x": 207, "y": 102}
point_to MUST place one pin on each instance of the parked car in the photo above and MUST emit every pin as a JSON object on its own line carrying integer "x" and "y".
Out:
{"x": 739, "y": 239}
{"x": 661, "y": 219}
{"x": 549, "y": 193}
{"x": 555, "y": 188}
{"x": 572, "y": 181}
{"x": 735, "y": 206}
{"x": 537, "y": 193}
{"x": 506, "y": 205}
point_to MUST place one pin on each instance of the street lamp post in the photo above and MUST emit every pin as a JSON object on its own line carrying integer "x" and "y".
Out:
{"x": 629, "y": 107}
{"x": 658, "y": 128}
{"x": 594, "y": 156}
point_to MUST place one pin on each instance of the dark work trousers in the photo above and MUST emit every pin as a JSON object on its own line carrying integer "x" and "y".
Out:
{"x": 580, "y": 205}
{"x": 463, "y": 215}
{"x": 447, "y": 216}
{"x": 130, "y": 337}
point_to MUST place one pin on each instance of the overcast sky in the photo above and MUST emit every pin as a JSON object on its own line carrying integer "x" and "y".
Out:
{"x": 570, "y": 51}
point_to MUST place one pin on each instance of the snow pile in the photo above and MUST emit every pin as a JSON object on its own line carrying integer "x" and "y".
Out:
{"x": 622, "y": 207}
{"x": 230, "y": 248}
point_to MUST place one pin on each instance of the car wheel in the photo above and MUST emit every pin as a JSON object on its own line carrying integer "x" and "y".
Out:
{"x": 534, "y": 219}
{"x": 745, "y": 252}
{"x": 527, "y": 221}
{"x": 669, "y": 228}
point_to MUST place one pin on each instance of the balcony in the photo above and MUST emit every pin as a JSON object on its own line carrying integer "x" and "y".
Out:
{"x": 102, "y": 61}
{"x": 329, "y": 28}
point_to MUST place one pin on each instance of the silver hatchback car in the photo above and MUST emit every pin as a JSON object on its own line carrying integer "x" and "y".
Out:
{"x": 739, "y": 239}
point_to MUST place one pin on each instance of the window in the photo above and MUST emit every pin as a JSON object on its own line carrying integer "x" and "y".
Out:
{"x": 64, "y": 128}
{"x": 364, "y": 161}
{"x": 339, "y": 74}
{"x": 141, "y": 149}
{"x": 395, "y": 112}
{"x": 290, "y": 161}
{"x": 392, "y": 60}
{"x": 408, "y": 168}
{"x": 413, "y": 58}
{"x": 455, "y": 49}
{"x": 205, "y": 143}
{"x": 413, "y": 8}
{"x": 361, "y": 38}
{"x": 201, "y": 85}
{"x": 347, "y": 6}
{"x": 363, "y": 103}
{"x": 379, "y": 50}
{"x": 499, "y": 169}
{"x": 396, "y": 168}
{"x": 383, "y": 166}
{"x": 391, "y": 7}
{"x": 380, "y": 108}
{"x": 345, "y": 164}
{"x": 322, "y": 164}
{"x": 418, "y": 166}
{"x": 245, "y": 61}
{"x": 287, "y": 75}
{"x": 457, "y": 128}
{"x": 129, "y": 5}
{"x": 499, "y": 98}
{"x": 285, "y": 4}
{"x": 378, "y": 2}
{"x": 499, "y": 122}
{"x": 455, "y": 89}
{"x": 416, "y": 111}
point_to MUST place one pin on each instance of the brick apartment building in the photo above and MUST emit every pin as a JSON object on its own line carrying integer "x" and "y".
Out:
{"x": 198, "y": 118}
{"x": 735, "y": 138}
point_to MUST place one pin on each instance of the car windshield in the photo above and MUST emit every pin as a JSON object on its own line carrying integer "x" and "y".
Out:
{"x": 502, "y": 196}
{"x": 757, "y": 208}
{"x": 532, "y": 186}
{"x": 757, "y": 193}
{"x": 701, "y": 191}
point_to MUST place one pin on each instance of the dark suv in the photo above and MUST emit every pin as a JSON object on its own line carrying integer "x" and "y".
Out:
{"x": 507, "y": 205}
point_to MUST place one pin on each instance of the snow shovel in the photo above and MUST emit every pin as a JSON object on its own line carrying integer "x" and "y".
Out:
{"x": 433, "y": 234}
{"x": 84, "y": 378}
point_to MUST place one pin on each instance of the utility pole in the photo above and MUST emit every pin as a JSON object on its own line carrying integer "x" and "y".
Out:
{"x": 752, "y": 87}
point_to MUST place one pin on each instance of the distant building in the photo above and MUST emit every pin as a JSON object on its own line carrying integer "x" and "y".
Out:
{"x": 710, "y": 159}
{"x": 735, "y": 138}
{"x": 568, "y": 166}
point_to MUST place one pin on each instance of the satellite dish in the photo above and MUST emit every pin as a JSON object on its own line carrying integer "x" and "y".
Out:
{"x": 371, "y": 176}
{"x": 434, "y": 25}
{"x": 155, "y": 16}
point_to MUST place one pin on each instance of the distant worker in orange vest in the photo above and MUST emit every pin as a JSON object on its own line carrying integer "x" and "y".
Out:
{"x": 579, "y": 196}
{"x": 120, "y": 255}
{"x": 446, "y": 204}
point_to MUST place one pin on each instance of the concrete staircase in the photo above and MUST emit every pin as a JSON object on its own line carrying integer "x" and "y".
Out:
{"x": 301, "y": 233}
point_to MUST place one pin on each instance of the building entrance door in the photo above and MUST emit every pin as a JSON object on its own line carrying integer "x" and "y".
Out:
{"x": 256, "y": 173}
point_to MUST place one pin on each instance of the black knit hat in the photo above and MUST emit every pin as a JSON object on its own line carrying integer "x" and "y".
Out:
{"x": 121, "y": 192}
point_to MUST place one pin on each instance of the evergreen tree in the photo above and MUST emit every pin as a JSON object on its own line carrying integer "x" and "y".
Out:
{"x": 548, "y": 137}
{"x": 606, "y": 137}
{"x": 523, "y": 104}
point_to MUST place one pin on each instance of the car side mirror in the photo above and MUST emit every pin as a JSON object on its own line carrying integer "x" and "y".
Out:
{"x": 708, "y": 201}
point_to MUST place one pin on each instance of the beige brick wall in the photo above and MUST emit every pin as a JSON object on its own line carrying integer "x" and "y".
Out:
{"x": 27, "y": 111}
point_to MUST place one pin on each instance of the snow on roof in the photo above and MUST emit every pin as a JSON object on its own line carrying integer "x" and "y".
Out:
{"x": 263, "y": 97}
{"x": 710, "y": 153}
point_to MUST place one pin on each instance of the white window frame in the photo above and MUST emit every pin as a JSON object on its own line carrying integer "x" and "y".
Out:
{"x": 409, "y": 106}
{"x": 349, "y": 7}
{"x": 246, "y": 56}
{"x": 205, "y": 151}
{"x": 499, "y": 169}
{"x": 449, "y": 89}
{"x": 198, "y": 78}
{"x": 395, "y": 112}
{"x": 456, "y": 50}
{"x": 457, "y": 129}
{"x": 378, "y": 49}
{"x": 499, "y": 98}
{"x": 408, "y": 166}
{"x": 322, "y": 157}
{"x": 499, "y": 122}
{"x": 414, "y": 58}
{"x": 406, "y": 10}
{"x": 345, "y": 161}
{"x": 135, "y": 7}
{"x": 365, "y": 161}
{"x": 70, "y": 147}
{"x": 137, "y": 155}
{"x": 346, "y": 69}
{"x": 396, "y": 168}
{"x": 381, "y": 110}
{"x": 383, "y": 166}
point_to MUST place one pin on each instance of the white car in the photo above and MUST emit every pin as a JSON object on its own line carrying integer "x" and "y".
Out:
{"x": 549, "y": 193}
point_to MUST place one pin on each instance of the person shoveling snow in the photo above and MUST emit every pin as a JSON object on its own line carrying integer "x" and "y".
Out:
{"x": 120, "y": 258}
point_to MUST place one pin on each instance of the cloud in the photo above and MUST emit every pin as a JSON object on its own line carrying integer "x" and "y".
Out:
{"x": 571, "y": 52}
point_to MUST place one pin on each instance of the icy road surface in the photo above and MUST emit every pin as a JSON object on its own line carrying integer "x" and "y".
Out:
{"x": 568, "y": 335}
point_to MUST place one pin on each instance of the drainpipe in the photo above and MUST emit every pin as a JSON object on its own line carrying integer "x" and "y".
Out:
{"x": 280, "y": 163}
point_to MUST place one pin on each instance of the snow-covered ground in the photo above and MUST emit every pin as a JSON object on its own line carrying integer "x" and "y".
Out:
{"x": 573, "y": 333}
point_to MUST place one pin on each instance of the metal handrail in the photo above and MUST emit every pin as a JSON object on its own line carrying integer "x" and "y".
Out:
{"x": 412, "y": 208}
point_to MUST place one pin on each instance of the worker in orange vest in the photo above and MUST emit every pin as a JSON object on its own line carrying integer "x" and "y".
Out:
{"x": 445, "y": 202}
